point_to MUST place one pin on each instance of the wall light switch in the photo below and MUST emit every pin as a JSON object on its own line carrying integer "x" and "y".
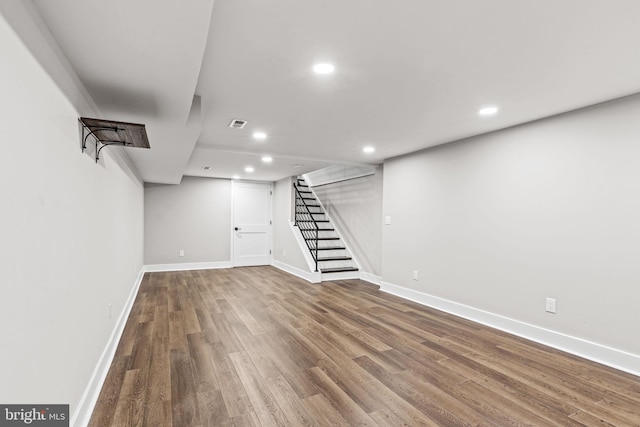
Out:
{"x": 181, "y": 252}
{"x": 387, "y": 220}
{"x": 550, "y": 305}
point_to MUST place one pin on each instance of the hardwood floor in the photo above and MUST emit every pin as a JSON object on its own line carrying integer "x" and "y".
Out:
{"x": 256, "y": 346}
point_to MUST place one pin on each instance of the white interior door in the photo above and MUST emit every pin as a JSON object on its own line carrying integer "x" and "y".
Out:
{"x": 251, "y": 224}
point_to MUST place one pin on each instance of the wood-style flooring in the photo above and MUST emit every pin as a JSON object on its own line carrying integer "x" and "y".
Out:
{"x": 256, "y": 346}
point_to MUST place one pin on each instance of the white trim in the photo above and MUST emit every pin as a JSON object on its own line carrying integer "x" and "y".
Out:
{"x": 340, "y": 275}
{"x": 371, "y": 278}
{"x": 272, "y": 250}
{"x": 599, "y": 353}
{"x": 82, "y": 414}
{"x": 187, "y": 266}
{"x": 233, "y": 219}
{"x": 306, "y": 275}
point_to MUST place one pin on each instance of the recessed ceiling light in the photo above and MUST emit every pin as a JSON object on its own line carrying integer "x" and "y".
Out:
{"x": 267, "y": 159}
{"x": 368, "y": 149}
{"x": 206, "y": 168}
{"x": 259, "y": 135}
{"x": 488, "y": 111}
{"x": 323, "y": 68}
{"x": 249, "y": 169}
{"x": 236, "y": 176}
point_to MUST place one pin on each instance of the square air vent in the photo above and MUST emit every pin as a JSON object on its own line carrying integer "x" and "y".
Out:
{"x": 237, "y": 123}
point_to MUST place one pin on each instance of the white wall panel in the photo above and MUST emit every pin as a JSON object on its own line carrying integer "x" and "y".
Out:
{"x": 547, "y": 209}
{"x": 71, "y": 230}
{"x": 193, "y": 216}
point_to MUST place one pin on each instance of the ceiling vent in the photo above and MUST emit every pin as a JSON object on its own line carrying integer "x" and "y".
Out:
{"x": 237, "y": 123}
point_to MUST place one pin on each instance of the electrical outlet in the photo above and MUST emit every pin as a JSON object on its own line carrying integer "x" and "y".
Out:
{"x": 387, "y": 220}
{"x": 550, "y": 305}
{"x": 181, "y": 252}
{"x": 284, "y": 253}
{"x": 415, "y": 274}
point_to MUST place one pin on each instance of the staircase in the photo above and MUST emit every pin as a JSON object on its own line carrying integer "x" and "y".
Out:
{"x": 327, "y": 248}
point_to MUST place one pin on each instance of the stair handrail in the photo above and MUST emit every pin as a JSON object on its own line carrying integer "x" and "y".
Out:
{"x": 317, "y": 228}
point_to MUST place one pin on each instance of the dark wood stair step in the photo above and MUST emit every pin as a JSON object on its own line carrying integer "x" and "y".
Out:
{"x": 322, "y": 238}
{"x": 333, "y": 258}
{"x": 313, "y": 220}
{"x": 332, "y": 248}
{"x": 338, "y": 269}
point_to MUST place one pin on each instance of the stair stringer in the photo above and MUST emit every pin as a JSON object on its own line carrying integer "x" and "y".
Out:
{"x": 314, "y": 276}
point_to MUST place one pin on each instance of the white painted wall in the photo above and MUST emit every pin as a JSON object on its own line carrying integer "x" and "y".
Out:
{"x": 355, "y": 207}
{"x": 335, "y": 173}
{"x": 547, "y": 209}
{"x": 194, "y": 216}
{"x": 286, "y": 248}
{"x": 71, "y": 230}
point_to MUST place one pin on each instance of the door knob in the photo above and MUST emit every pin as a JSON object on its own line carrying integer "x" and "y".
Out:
{"x": 237, "y": 228}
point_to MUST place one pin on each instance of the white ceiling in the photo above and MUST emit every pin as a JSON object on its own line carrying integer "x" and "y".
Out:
{"x": 409, "y": 74}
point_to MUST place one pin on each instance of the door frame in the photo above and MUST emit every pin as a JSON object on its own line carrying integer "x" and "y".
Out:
{"x": 234, "y": 182}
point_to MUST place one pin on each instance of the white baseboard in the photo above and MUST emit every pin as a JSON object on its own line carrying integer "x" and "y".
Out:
{"x": 341, "y": 275}
{"x": 312, "y": 277}
{"x": 599, "y": 353}
{"x": 82, "y": 414}
{"x": 371, "y": 278}
{"x": 187, "y": 266}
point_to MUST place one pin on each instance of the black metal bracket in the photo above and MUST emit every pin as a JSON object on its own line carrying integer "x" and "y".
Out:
{"x": 108, "y": 143}
{"x": 91, "y": 132}
{"x": 97, "y": 140}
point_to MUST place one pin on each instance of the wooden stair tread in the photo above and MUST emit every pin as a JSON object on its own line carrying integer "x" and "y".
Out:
{"x": 338, "y": 269}
{"x": 334, "y": 258}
